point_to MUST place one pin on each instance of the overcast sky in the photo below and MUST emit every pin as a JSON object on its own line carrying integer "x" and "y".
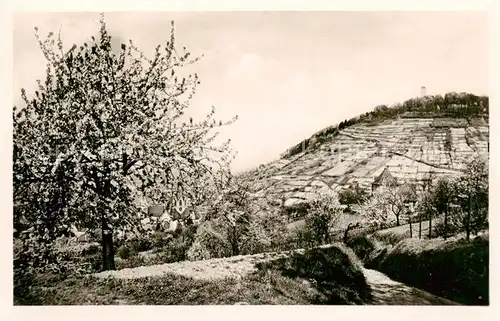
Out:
{"x": 288, "y": 75}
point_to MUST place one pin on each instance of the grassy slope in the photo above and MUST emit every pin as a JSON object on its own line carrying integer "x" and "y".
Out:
{"x": 453, "y": 269}
{"x": 319, "y": 276}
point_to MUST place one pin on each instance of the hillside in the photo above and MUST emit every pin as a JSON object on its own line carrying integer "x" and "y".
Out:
{"x": 411, "y": 144}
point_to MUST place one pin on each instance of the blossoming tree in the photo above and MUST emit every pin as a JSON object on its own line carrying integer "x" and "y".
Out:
{"x": 105, "y": 129}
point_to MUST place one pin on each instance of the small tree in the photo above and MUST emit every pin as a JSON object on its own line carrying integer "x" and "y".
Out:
{"x": 375, "y": 209}
{"x": 104, "y": 130}
{"x": 324, "y": 214}
{"x": 396, "y": 198}
{"x": 472, "y": 196}
{"x": 426, "y": 205}
{"x": 232, "y": 212}
{"x": 238, "y": 225}
{"x": 352, "y": 196}
{"x": 476, "y": 182}
{"x": 443, "y": 194}
{"x": 267, "y": 230}
{"x": 426, "y": 208}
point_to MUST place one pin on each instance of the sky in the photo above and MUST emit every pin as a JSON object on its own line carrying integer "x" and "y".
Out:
{"x": 288, "y": 74}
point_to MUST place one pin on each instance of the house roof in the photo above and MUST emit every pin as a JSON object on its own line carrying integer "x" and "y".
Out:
{"x": 385, "y": 178}
{"x": 410, "y": 190}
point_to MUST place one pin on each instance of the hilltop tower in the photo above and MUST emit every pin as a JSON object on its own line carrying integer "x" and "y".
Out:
{"x": 423, "y": 91}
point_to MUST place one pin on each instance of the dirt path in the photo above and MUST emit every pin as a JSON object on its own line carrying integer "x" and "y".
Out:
{"x": 386, "y": 291}
{"x": 236, "y": 266}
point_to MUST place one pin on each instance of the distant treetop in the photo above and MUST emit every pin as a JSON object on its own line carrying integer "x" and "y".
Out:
{"x": 451, "y": 105}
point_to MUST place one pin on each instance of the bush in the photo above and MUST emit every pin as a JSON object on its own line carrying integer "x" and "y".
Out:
{"x": 337, "y": 277}
{"x": 210, "y": 242}
{"x": 391, "y": 238}
{"x": 362, "y": 246}
{"x": 298, "y": 210}
{"x": 439, "y": 230}
{"x": 177, "y": 248}
{"x": 132, "y": 261}
{"x": 325, "y": 214}
{"x": 140, "y": 244}
{"x": 352, "y": 196}
{"x": 160, "y": 240}
{"x": 304, "y": 238}
{"x": 48, "y": 263}
{"x": 24, "y": 279}
{"x": 266, "y": 232}
{"x": 166, "y": 248}
{"x": 125, "y": 252}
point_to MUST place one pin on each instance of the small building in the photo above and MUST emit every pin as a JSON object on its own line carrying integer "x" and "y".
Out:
{"x": 384, "y": 179}
{"x": 410, "y": 190}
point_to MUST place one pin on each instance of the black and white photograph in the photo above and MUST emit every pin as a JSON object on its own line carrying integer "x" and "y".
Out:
{"x": 251, "y": 158}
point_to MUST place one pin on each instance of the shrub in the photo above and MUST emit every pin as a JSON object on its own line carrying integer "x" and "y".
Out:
{"x": 174, "y": 251}
{"x": 325, "y": 214}
{"x": 362, "y": 246}
{"x": 304, "y": 237}
{"x": 140, "y": 244}
{"x": 40, "y": 264}
{"x": 439, "y": 229}
{"x": 178, "y": 247}
{"x": 132, "y": 261}
{"x": 352, "y": 196}
{"x": 160, "y": 240}
{"x": 336, "y": 276}
{"x": 125, "y": 252}
{"x": 199, "y": 251}
{"x": 131, "y": 247}
{"x": 391, "y": 238}
{"x": 210, "y": 242}
{"x": 298, "y": 210}
{"x": 267, "y": 232}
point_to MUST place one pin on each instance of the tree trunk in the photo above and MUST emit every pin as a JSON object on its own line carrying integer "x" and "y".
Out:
{"x": 411, "y": 228}
{"x": 108, "y": 253}
{"x": 234, "y": 242}
{"x": 346, "y": 232}
{"x": 478, "y": 225}
{"x": 419, "y": 225}
{"x": 467, "y": 223}
{"x": 234, "y": 248}
{"x": 446, "y": 222}
{"x": 397, "y": 219}
{"x": 430, "y": 225}
{"x": 104, "y": 191}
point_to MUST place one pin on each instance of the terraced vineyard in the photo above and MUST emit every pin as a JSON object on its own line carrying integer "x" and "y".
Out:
{"x": 410, "y": 147}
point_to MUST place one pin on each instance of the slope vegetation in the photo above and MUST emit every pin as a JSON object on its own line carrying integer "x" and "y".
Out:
{"x": 452, "y": 269}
